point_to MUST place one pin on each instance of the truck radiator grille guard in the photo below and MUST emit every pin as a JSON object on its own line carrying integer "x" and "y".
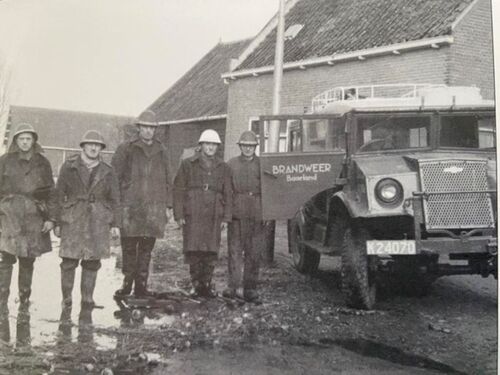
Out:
{"x": 458, "y": 210}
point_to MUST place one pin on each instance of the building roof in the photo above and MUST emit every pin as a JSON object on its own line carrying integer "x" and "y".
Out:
{"x": 341, "y": 26}
{"x": 201, "y": 92}
{"x": 61, "y": 128}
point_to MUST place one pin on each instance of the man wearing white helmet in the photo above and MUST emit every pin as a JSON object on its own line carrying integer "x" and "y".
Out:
{"x": 202, "y": 202}
{"x": 89, "y": 200}
{"x": 29, "y": 209}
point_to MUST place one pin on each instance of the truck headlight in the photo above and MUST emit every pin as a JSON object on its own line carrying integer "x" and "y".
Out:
{"x": 389, "y": 191}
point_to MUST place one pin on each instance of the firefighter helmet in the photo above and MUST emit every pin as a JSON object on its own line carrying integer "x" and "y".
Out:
{"x": 209, "y": 136}
{"x": 248, "y": 137}
{"x": 148, "y": 117}
{"x": 25, "y": 128}
{"x": 93, "y": 136}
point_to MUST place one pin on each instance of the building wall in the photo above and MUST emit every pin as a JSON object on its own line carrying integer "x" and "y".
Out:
{"x": 252, "y": 96}
{"x": 471, "y": 54}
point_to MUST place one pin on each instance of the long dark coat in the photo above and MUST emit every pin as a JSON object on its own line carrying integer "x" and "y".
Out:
{"x": 202, "y": 196}
{"x": 145, "y": 186}
{"x": 88, "y": 210}
{"x": 27, "y": 199}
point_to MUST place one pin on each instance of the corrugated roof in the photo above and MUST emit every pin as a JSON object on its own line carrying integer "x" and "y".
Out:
{"x": 340, "y": 26}
{"x": 200, "y": 92}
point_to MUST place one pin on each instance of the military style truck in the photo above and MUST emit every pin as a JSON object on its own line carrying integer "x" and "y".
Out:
{"x": 397, "y": 180}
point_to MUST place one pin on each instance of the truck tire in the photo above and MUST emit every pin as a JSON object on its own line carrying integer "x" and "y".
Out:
{"x": 358, "y": 270}
{"x": 305, "y": 260}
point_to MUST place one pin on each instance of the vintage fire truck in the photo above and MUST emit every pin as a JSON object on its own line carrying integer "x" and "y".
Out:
{"x": 397, "y": 180}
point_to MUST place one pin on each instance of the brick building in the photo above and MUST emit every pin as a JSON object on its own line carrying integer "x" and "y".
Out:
{"x": 197, "y": 101}
{"x": 331, "y": 43}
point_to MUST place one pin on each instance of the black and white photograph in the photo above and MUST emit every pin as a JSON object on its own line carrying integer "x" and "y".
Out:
{"x": 255, "y": 187}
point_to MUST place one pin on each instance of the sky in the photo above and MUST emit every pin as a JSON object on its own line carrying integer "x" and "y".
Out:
{"x": 114, "y": 56}
{"x": 118, "y": 56}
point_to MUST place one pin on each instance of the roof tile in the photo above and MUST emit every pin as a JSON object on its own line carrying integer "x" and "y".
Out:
{"x": 340, "y": 26}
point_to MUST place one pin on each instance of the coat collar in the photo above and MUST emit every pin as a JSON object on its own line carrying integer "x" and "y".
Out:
{"x": 197, "y": 157}
{"x": 102, "y": 170}
{"x": 157, "y": 146}
{"x": 244, "y": 160}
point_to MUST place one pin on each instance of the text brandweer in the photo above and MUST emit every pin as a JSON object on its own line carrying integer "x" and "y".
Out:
{"x": 302, "y": 168}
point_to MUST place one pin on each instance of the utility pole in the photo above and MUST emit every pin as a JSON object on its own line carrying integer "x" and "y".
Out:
{"x": 274, "y": 126}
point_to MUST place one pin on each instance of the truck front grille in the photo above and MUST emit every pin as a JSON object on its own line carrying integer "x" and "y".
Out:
{"x": 466, "y": 209}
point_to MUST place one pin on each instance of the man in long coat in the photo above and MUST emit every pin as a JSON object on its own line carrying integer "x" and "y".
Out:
{"x": 202, "y": 202}
{"x": 28, "y": 210}
{"x": 246, "y": 230}
{"x": 88, "y": 194}
{"x": 141, "y": 165}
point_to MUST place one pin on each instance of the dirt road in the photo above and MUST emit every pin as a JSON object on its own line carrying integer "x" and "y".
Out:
{"x": 301, "y": 328}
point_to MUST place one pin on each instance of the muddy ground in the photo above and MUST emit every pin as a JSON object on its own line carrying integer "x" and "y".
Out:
{"x": 302, "y": 327}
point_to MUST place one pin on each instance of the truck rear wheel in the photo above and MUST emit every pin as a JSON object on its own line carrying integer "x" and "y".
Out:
{"x": 304, "y": 260}
{"x": 358, "y": 270}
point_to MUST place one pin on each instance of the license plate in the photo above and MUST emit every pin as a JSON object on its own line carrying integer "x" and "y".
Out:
{"x": 404, "y": 247}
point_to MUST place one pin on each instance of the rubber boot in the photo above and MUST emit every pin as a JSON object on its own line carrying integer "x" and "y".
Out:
{"x": 23, "y": 329}
{"x": 89, "y": 278}
{"x": 4, "y": 327}
{"x": 85, "y": 327}
{"x": 126, "y": 288}
{"x": 5, "y": 280}
{"x": 64, "y": 334}
{"x": 208, "y": 290}
{"x": 67, "y": 282}
{"x": 25, "y": 278}
{"x": 141, "y": 278}
{"x": 129, "y": 265}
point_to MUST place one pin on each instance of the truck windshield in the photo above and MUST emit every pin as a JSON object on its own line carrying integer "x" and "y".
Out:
{"x": 376, "y": 133}
{"x": 468, "y": 131}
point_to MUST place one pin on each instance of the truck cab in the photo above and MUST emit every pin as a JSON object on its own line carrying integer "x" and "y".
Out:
{"x": 397, "y": 180}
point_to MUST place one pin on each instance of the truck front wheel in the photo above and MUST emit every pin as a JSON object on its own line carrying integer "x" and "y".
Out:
{"x": 358, "y": 270}
{"x": 304, "y": 260}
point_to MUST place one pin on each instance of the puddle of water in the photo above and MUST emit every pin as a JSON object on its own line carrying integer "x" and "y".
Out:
{"x": 45, "y": 308}
{"x": 155, "y": 322}
{"x": 41, "y": 323}
{"x": 374, "y": 349}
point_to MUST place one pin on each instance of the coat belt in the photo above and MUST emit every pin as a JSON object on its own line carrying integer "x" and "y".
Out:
{"x": 205, "y": 187}
{"x": 250, "y": 193}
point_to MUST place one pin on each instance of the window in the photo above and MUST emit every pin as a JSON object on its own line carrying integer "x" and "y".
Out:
{"x": 468, "y": 131}
{"x": 323, "y": 135}
{"x": 255, "y": 127}
{"x": 392, "y": 132}
{"x": 292, "y": 31}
